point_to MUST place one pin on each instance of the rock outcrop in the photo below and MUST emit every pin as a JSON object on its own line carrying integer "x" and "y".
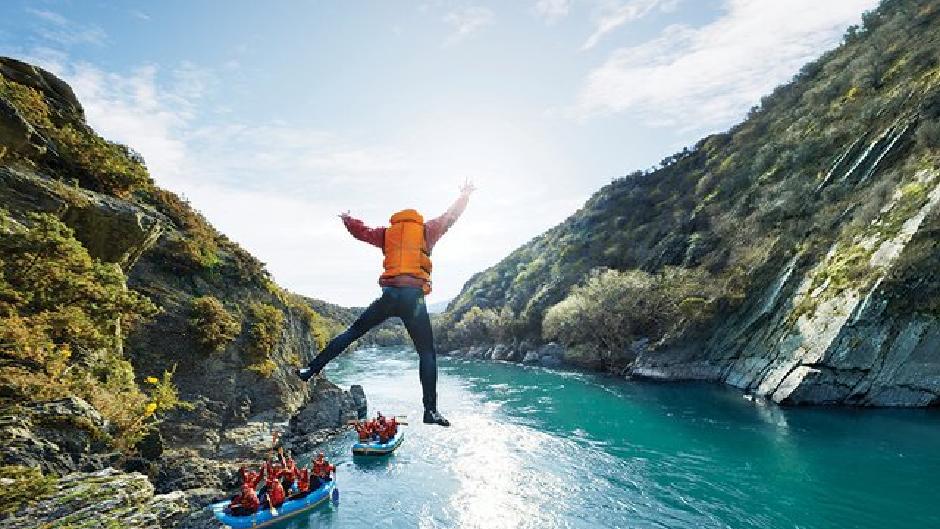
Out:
{"x": 102, "y": 500}
{"x": 807, "y": 339}
{"x": 327, "y": 414}
{"x": 59, "y": 437}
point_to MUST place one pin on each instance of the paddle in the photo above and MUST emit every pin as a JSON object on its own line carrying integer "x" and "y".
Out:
{"x": 274, "y": 436}
{"x": 335, "y": 496}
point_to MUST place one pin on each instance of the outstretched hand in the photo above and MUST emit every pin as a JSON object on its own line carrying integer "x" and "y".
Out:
{"x": 344, "y": 215}
{"x": 467, "y": 187}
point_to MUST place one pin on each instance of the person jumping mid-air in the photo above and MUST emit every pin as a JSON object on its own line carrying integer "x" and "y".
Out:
{"x": 407, "y": 245}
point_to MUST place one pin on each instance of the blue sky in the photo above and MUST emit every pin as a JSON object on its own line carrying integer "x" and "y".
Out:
{"x": 272, "y": 117}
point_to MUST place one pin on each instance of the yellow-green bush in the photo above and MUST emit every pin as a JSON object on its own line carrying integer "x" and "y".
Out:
{"x": 611, "y": 309}
{"x": 59, "y": 335}
{"x": 264, "y": 368}
{"x": 267, "y": 325}
{"x": 315, "y": 323}
{"x": 26, "y": 485}
{"x": 213, "y": 326}
{"x": 101, "y": 165}
{"x": 196, "y": 248}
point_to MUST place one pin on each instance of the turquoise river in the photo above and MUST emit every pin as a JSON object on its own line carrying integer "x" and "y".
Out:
{"x": 538, "y": 448}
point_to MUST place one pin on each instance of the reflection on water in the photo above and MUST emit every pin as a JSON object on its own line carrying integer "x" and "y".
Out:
{"x": 537, "y": 448}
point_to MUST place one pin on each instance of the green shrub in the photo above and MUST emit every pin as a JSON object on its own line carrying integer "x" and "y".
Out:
{"x": 59, "y": 330}
{"x": 264, "y": 368}
{"x": 267, "y": 325}
{"x": 315, "y": 323}
{"x": 27, "y": 485}
{"x": 100, "y": 165}
{"x": 611, "y": 309}
{"x": 213, "y": 326}
{"x": 196, "y": 248}
{"x": 478, "y": 326}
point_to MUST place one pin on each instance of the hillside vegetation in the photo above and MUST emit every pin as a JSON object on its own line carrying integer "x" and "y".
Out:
{"x": 119, "y": 292}
{"x": 819, "y": 180}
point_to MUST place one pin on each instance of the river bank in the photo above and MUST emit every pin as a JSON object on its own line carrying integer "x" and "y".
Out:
{"x": 168, "y": 483}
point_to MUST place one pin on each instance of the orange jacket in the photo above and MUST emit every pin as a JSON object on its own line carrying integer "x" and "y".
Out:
{"x": 405, "y": 249}
{"x": 432, "y": 232}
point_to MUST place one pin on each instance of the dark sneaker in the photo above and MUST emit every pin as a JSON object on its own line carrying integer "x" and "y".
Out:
{"x": 304, "y": 373}
{"x": 434, "y": 417}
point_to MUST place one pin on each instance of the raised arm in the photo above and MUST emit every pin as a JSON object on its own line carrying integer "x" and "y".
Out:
{"x": 359, "y": 230}
{"x": 438, "y": 226}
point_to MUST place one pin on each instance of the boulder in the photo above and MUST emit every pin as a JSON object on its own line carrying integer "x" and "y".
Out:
{"x": 60, "y": 94}
{"x": 251, "y": 440}
{"x": 200, "y": 516}
{"x": 16, "y": 134}
{"x": 500, "y": 352}
{"x": 101, "y": 500}
{"x": 552, "y": 349}
{"x": 516, "y": 354}
{"x": 359, "y": 399}
{"x": 550, "y": 361}
{"x": 329, "y": 407}
{"x": 185, "y": 470}
{"x": 531, "y": 357}
{"x": 61, "y": 437}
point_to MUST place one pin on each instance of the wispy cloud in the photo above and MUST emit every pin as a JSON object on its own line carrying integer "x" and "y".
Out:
{"x": 711, "y": 75}
{"x": 60, "y": 30}
{"x": 466, "y": 21}
{"x": 552, "y": 10}
{"x": 612, "y": 16}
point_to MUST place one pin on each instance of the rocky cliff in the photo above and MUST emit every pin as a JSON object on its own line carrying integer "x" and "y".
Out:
{"x": 119, "y": 303}
{"x": 798, "y": 249}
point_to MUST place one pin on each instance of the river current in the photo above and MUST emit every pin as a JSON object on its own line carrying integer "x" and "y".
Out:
{"x": 532, "y": 447}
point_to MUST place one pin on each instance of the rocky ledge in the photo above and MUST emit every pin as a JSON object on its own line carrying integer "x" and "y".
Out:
{"x": 104, "y": 499}
{"x": 548, "y": 355}
{"x": 163, "y": 486}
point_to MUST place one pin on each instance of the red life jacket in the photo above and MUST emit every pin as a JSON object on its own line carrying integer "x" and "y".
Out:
{"x": 319, "y": 468}
{"x": 275, "y": 492}
{"x": 249, "y": 499}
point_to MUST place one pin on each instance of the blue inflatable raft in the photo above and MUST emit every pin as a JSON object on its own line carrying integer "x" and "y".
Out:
{"x": 379, "y": 449}
{"x": 264, "y": 517}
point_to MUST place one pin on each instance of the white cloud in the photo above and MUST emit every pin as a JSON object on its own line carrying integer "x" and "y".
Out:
{"x": 612, "y": 16}
{"x": 711, "y": 75}
{"x": 60, "y": 30}
{"x": 466, "y": 21}
{"x": 552, "y": 10}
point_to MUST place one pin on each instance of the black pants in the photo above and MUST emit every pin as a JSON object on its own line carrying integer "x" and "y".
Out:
{"x": 406, "y": 303}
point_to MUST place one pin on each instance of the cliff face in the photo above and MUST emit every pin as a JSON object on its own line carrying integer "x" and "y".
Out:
{"x": 811, "y": 228}
{"x": 52, "y": 162}
{"x": 118, "y": 301}
{"x": 805, "y": 339}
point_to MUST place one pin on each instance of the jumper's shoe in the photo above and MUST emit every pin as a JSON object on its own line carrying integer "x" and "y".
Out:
{"x": 305, "y": 373}
{"x": 434, "y": 417}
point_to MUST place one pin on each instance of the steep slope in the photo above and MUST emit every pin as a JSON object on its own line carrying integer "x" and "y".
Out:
{"x": 793, "y": 256}
{"x": 196, "y": 306}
